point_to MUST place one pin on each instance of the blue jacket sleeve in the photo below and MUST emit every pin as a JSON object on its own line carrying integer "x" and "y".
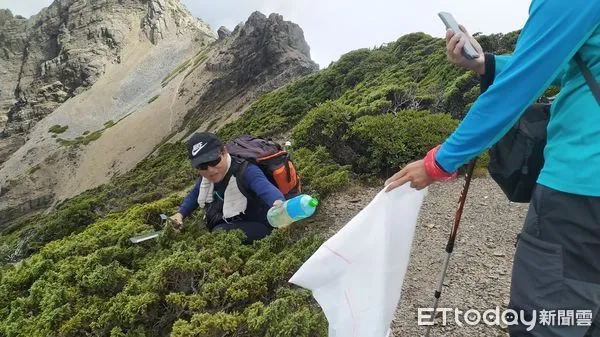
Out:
{"x": 502, "y": 60}
{"x": 553, "y": 33}
{"x": 256, "y": 180}
{"x": 190, "y": 203}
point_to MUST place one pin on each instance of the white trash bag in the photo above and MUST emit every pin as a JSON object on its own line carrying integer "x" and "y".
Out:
{"x": 356, "y": 276}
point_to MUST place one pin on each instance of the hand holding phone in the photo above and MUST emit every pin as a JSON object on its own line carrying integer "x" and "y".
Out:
{"x": 468, "y": 50}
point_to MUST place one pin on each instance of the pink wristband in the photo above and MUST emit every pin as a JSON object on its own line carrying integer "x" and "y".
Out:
{"x": 432, "y": 168}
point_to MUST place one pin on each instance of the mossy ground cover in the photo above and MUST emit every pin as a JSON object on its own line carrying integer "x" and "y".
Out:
{"x": 189, "y": 283}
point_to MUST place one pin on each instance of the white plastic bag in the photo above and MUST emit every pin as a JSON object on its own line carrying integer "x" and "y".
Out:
{"x": 356, "y": 276}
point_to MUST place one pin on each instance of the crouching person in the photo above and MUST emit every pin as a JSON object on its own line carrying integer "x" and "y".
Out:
{"x": 234, "y": 193}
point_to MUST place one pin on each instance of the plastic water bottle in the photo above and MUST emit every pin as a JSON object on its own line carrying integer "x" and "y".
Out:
{"x": 292, "y": 210}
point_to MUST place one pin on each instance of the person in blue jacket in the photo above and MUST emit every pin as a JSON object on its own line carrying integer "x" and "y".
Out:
{"x": 235, "y": 194}
{"x": 557, "y": 260}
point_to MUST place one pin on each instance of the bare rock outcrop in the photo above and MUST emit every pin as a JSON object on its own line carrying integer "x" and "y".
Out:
{"x": 223, "y": 32}
{"x": 263, "y": 53}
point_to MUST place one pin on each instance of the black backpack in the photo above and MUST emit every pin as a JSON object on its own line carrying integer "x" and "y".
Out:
{"x": 273, "y": 160}
{"x": 518, "y": 157}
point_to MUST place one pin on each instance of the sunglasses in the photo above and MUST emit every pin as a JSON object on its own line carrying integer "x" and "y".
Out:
{"x": 204, "y": 166}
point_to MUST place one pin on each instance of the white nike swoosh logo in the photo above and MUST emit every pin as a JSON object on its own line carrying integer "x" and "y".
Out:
{"x": 197, "y": 148}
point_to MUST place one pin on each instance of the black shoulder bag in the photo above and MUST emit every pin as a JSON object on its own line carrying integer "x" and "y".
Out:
{"x": 518, "y": 157}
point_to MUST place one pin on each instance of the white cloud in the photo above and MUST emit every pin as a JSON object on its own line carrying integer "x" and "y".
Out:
{"x": 334, "y": 27}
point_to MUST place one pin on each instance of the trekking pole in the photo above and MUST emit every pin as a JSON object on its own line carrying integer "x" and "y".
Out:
{"x": 137, "y": 239}
{"x": 452, "y": 238}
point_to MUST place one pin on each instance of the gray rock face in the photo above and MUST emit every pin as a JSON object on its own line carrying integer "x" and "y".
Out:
{"x": 65, "y": 48}
{"x": 164, "y": 17}
{"x": 223, "y": 32}
{"x": 261, "y": 41}
{"x": 264, "y": 53}
{"x": 12, "y": 44}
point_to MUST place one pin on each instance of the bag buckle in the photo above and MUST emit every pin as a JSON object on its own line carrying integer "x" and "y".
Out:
{"x": 232, "y": 219}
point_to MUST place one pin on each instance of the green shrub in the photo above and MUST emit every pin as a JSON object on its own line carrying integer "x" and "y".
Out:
{"x": 84, "y": 139}
{"x": 459, "y": 95}
{"x": 388, "y": 142}
{"x": 58, "y": 129}
{"x": 154, "y": 178}
{"x": 273, "y": 113}
{"x": 197, "y": 284}
{"x": 327, "y": 125}
{"x": 319, "y": 172}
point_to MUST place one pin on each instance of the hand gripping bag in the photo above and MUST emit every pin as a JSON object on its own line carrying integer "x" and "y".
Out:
{"x": 356, "y": 276}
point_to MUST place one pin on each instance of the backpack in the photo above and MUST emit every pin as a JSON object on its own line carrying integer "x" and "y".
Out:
{"x": 271, "y": 158}
{"x": 516, "y": 160}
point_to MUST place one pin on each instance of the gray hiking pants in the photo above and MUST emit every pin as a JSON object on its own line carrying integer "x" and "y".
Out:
{"x": 557, "y": 267}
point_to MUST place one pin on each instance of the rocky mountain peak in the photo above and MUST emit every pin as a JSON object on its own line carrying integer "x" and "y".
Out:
{"x": 223, "y": 33}
{"x": 163, "y": 14}
{"x": 278, "y": 35}
{"x": 5, "y": 15}
{"x": 263, "y": 53}
{"x": 263, "y": 40}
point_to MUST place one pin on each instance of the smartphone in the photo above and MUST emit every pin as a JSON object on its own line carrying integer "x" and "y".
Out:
{"x": 468, "y": 49}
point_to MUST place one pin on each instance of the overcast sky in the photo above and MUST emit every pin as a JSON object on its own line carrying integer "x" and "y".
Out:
{"x": 334, "y": 27}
